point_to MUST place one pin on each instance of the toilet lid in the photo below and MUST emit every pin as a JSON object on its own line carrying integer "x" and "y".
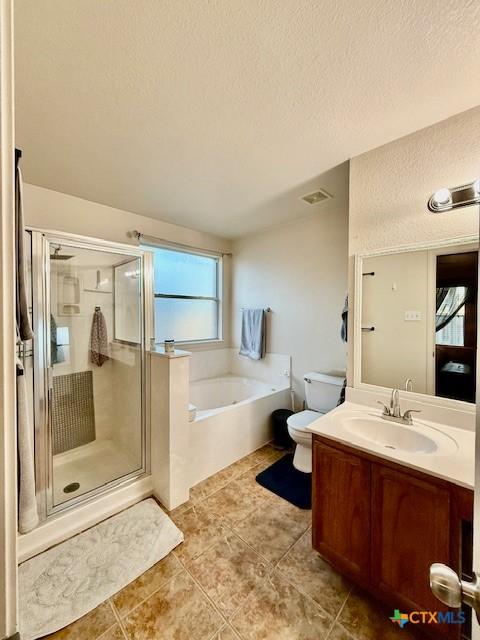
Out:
{"x": 301, "y": 420}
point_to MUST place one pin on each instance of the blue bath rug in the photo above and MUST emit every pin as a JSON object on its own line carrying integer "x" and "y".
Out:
{"x": 287, "y": 482}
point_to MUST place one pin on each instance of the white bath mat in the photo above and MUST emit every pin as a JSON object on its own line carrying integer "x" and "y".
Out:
{"x": 69, "y": 580}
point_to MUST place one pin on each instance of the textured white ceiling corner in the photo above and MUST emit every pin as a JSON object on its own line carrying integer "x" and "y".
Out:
{"x": 214, "y": 115}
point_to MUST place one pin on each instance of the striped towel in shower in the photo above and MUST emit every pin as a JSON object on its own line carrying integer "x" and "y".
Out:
{"x": 98, "y": 339}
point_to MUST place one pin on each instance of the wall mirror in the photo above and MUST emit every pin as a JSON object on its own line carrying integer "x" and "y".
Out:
{"x": 416, "y": 322}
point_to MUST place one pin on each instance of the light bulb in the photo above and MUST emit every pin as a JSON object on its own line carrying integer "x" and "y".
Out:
{"x": 442, "y": 196}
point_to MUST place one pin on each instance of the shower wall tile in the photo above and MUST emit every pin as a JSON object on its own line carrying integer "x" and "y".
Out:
{"x": 126, "y": 367}
{"x": 209, "y": 364}
{"x": 78, "y": 357}
{"x": 212, "y": 363}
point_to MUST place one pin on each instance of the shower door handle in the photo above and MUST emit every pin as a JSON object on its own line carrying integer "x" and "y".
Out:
{"x": 50, "y": 378}
{"x": 49, "y": 394}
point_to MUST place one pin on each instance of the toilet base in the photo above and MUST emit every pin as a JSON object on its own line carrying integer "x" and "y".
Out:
{"x": 302, "y": 460}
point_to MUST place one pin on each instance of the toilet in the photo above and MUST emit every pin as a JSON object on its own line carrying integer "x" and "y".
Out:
{"x": 321, "y": 394}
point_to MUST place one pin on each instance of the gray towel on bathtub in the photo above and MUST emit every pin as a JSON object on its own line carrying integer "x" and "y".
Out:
{"x": 252, "y": 342}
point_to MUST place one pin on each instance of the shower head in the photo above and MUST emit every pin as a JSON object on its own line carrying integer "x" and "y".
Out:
{"x": 56, "y": 254}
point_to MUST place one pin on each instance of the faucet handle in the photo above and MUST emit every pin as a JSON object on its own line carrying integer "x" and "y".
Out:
{"x": 386, "y": 408}
{"x": 407, "y": 416}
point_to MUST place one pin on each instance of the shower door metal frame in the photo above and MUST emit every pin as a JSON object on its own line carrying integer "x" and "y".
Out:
{"x": 43, "y": 378}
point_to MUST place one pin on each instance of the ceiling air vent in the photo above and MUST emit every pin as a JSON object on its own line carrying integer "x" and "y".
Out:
{"x": 316, "y": 197}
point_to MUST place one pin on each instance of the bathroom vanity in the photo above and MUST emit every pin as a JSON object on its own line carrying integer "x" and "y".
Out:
{"x": 390, "y": 500}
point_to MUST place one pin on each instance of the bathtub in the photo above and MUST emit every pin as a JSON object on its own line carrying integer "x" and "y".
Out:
{"x": 212, "y": 395}
{"x": 232, "y": 420}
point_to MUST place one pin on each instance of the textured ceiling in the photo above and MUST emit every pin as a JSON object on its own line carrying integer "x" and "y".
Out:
{"x": 218, "y": 114}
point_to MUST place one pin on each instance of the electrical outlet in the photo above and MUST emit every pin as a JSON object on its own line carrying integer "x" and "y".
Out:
{"x": 413, "y": 316}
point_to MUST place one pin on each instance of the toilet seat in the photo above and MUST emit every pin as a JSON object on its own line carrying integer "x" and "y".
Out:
{"x": 300, "y": 421}
{"x": 297, "y": 428}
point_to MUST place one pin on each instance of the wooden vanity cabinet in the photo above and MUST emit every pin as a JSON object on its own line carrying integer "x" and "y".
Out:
{"x": 410, "y": 530}
{"x": 383, "y": 525}
{"x": 341, "y": 509}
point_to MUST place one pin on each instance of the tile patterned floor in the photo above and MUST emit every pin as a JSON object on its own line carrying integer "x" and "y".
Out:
{"x": 246, "y": 571}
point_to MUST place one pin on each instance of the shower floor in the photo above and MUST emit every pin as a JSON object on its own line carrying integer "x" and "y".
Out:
{"x": 91, "y": 466}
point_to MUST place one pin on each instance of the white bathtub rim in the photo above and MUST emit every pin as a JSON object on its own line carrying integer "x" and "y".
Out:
{"x": 203, "y": 414}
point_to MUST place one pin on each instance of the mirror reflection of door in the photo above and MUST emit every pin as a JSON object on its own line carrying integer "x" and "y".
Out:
{"x": 456, "y": 325}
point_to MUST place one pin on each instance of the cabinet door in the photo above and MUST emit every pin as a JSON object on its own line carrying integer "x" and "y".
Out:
{"x": 410, "y": 531}
{"x": 341, "y": 509}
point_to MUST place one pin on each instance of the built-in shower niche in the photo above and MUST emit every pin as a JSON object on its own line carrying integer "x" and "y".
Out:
{"x": 92, "y": 431}
{"x": 68, "y": 295}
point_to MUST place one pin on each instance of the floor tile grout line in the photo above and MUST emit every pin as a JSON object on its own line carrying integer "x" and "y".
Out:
{"x": 238, "y": 477}
{"x": 184, "y": 563}
{"x": 252, "y": 548}
{"x": 274, "y": 563}
{"x": 271, "y": 569}
{"x": 203, "y": 498}
{"x": 175, "y": 575}
{"x": 118, "y": 619}
{"x": 337, "y": 617}
{"x": 212, "y": 603}
{"x": 258, "y": 464}
{"x": 292, "y": 545}
{"x": 234, "y": 631}
{"x": 268, "y": 565}
{"x": 304, "y": 594}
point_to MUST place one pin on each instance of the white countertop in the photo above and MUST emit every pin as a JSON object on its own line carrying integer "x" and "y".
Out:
{"x": 176, "y": 353}
{"x": 454, "y": 463}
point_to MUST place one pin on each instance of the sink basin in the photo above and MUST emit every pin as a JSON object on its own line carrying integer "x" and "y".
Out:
{"x": 418, "y": 438}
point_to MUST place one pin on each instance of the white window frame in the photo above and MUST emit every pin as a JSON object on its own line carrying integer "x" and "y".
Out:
{"x": 218, "y": 257}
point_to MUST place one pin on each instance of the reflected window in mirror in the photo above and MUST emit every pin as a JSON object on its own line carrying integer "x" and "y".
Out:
{"x": 450, "y": 316}
{"x": 456, "y": 325}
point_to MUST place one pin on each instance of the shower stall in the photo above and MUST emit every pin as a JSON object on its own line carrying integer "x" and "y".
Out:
{"x": 85, "y": 367}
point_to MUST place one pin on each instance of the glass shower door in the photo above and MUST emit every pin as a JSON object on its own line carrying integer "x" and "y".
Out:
{"x": 94, "y": 352}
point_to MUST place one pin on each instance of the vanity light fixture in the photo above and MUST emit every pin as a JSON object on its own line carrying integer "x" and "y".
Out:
{"x": 476, "y": 187}
{"x": 446, "y": 199}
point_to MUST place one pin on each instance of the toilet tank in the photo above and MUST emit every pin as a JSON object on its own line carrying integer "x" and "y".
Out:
{"x": 322, "y": 391}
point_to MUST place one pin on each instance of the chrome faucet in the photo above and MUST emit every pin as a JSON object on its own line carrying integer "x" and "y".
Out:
{"x": 395, "y": 404}
{"x": 393, "y": 412}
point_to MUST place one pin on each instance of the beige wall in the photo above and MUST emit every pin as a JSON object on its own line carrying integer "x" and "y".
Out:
{"x": 390, "y": 187}
{"x": 8, "y": 450}
{"x": 52, "y": 210}
{"x": 400, "y": 284}
{"x": 300, "y": 271}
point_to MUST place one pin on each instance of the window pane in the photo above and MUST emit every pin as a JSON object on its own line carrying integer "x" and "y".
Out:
{"x": 185, "y": 320}
{"x": 184, "y": 273}
{"x": 453, "y": 334}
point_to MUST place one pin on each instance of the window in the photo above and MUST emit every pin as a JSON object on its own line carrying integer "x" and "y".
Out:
{"x": 451, "y": 317}
{"x": 187, "y": 304}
